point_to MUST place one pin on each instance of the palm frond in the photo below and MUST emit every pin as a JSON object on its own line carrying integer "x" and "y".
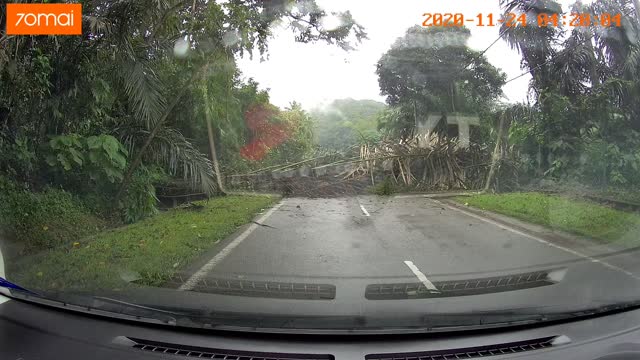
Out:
{"x": 98, "y": 25}
{"x": 572, "y": 64}
{"x": 173, "y": 151}
{"x": 632, "y": 62}
{"x": 144, "y": 90}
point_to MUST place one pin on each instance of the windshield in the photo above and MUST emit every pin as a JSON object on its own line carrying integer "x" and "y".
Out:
{"x": 321, "y": 164}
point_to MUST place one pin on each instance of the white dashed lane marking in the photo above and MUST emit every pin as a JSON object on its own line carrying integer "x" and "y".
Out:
{"x": 422, "y": 277}
{"x": 364, "y": 211}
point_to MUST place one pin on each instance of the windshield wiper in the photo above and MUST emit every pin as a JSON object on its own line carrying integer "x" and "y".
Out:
{"x": 98, "y": 305}
{"x": 452, "y": 322}
{"x": 601, "y": 310}
{"x": 119, "y": 306}
{"x": 4, "y": 283}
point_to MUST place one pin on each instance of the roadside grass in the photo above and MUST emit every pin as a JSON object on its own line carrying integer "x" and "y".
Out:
{"x": 384, "y": 188}
{"x": 148, "y": 252}
{"x": 572, "y": 215}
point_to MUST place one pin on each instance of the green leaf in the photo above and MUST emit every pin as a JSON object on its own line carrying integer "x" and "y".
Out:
{"x": 93, "y": 157}
{"x": 112, "y": 174}
{"x": 77, "y": 156}
{"x": 64, "y": 140}
{"x": 110, "y": 145}
{"x": 93, "y": 142}
{"x": 119, "y": 161}
{"x": 51, "y": 160}
{"x": 64, "y": 162}
{"x": 54, "y": 143}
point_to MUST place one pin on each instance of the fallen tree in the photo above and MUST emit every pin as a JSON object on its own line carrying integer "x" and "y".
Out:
{"x": 440, "y": 165}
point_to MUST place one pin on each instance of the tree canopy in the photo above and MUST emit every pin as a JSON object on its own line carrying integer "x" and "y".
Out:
{"x": 347, "y": 122}
{"x": 432, "y": 70}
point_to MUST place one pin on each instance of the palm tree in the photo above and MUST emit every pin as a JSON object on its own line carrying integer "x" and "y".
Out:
{"x": 139, "y": 35}
{"x": 620, "y": 53}
{"x": 167, "y": 146}
{"x": 535, "y": 43}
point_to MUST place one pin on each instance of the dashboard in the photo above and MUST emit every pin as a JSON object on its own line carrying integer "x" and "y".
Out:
{"x": 29, "y": 331}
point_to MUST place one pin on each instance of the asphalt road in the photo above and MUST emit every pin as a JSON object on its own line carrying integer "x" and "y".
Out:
{"x": 373, "y": 237}
{"x": 354, "y": 246}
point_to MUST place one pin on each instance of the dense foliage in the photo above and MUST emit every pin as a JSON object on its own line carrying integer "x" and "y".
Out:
{"x": 150, "y": 93}
{"x": 583, "y": 123}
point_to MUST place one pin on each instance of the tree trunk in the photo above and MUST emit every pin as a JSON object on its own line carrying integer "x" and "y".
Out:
{"x": 212, "y": 147}
{"x": 605, "y": 168}
{"x": 497, "y": 155}
{"x": 415, "y": 114}
{"x": 453, "y": 99}
{"x": 539, "y": 161}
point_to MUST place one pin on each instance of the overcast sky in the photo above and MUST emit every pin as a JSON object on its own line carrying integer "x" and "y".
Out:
{"x": 316, "y": 74}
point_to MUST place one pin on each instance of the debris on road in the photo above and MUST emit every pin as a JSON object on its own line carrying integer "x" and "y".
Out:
{"x": 265, "y": 225}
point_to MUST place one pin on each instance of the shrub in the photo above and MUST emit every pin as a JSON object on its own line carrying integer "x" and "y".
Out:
{"x": 17, "y": 156}
{"x": 43, "y": 220}
{"x": 140, "y": 200}
{"x": 609, "y": 163}
{"x": 385, "y": 188}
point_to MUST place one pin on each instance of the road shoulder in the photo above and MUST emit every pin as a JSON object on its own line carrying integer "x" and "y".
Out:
{"x": 591, "y": 247}
{"x": 203, "y": 261}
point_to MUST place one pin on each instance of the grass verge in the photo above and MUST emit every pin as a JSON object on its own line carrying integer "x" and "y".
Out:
{"x": 148, "y": 252}
{"x": 563, "y": 213}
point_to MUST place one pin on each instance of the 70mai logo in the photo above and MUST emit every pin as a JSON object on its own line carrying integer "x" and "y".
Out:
{"x": 44, "y": 19}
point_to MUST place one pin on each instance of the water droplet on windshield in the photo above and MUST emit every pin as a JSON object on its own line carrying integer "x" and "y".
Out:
{"x": 331, "y": 22}
{"x": 230, "y": 38}
{"x": 181, "y": 48}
